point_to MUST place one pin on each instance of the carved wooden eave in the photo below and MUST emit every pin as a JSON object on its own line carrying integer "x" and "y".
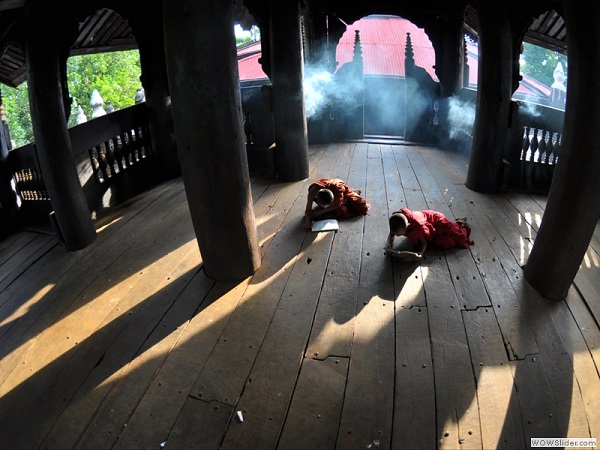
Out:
{"x": 102, "y": 30}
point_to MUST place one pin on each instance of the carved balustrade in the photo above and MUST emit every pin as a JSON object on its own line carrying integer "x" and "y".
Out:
{"x": 104, "y": 149}
{"x": 533, "y": 148}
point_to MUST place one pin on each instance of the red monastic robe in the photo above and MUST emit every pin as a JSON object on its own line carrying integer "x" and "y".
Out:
{"x": 437, "y": 228}
{"x": 351, "y": 204}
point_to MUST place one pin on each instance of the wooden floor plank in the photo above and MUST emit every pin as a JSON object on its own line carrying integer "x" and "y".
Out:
{"x": 146, "y": 421}
{"x": 566, "y": 410}
{"x": 470, "y": 289}
{"x": 25, "y": 249}
{"x": 409, "y": 178}
{"x": 499, "y": 411}
{"x": 333, "y": 325}
{"x": 587, "y": 281}
{"x": 65, "y": 355}
{"x": 414, "y": 397}
{"x": 584, "y": 366}
{"x": 271, "y": 382}
{"x": 499, "y": 269}
{"x": 456, "y": 400}
{"x": 408, "y": 277}
{"x": 366, "y": 420}
{"x": 66, "y": 283}
{"x": 242, "y": 334}
{"x": 586, "y": 323}
{"x": 330, "y": 343}
{"x": 314, "y": 415}
{"x": 187, "y": 434}
{"x": 119, "y": 374}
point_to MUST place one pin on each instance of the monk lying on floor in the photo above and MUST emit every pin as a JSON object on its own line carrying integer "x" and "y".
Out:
{"x": 421, "y": 227}
{"x": 334, "y": 199}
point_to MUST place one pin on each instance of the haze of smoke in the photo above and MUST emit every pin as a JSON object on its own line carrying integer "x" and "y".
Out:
{"x": 529, "y": 109}
{"x": 322, "y": 88}
{"x": 461, "y": 117}
{"x": 317, "y": 85}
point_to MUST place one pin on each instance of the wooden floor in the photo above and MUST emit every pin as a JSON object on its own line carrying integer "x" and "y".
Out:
{"x": 331, "y": 344}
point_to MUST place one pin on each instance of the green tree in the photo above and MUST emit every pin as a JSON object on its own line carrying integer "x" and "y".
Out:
{"x": 115, "y": 75}
{"x": 539, "y": 63}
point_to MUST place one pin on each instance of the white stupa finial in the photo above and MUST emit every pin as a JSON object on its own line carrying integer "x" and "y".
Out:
{"x": 96, "y": 103}
{"x": 140, "y": 95}
{"x": 81, "y": 117}
{"x": 559, "y": 77}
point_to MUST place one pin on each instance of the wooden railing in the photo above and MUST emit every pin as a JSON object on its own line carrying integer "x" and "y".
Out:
{"x": 103, "y": 148}
{"x": 540, "y": 146}
{"x": 112, "y": 143}
{"x": 533, "y": 148}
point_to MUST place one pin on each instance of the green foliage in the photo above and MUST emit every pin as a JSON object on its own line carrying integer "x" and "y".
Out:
{"x": 115, "y": 75}
{"x": 16, "y": 105}
{"x": 240, "y": 41}
{"x": 539, "y": 63}
{"x": 244, "y": 37}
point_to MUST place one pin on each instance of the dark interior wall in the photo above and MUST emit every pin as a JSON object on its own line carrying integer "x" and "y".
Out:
{"x": 256, "y": 102}
{"x": 385, "y": 107}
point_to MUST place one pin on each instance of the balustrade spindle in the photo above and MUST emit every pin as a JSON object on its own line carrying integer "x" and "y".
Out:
{"x": 102, "y": 161}
{"x": 133, "y": 144}
{"x": 110, "y": 159}
{"x": 118, "y": 152}
{"x": 124, "y": 138}
{"x": 526, "y": 144}
{"x": 550, "y": 148}
{"x": 95, "y": 164}
{"x": 542, "y": 147}
{"x": 534, "y": 146}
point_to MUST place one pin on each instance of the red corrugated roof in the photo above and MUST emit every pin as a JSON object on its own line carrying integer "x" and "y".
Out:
{"x": 248, "y": 66}
{"x": 383, "y": 41}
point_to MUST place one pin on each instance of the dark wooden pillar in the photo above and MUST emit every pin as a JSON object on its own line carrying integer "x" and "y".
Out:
{"x": 320, "y": 44}
{"x": 147, "y": 25}
{"x": 448, "y": 42}
{"x": 494, "y": 92}
{"x": 207, "y": 112}
{"x": 573, "y": 208}
{"x": 287, "y": 75}
{"x": 45, "y": 60}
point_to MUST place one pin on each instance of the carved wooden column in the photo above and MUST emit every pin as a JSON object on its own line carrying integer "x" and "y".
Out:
{"x": 448, "y": 42}
{"x": 207, "y": 112}
{"x": 46, "y": 69}
{"x": 287, "y": 75}
{"x": 494, "y": 92}
{"x": 573, "y": 209}
{"x": 147, "y": 25}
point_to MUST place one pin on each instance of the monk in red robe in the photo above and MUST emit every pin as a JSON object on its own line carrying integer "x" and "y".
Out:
{"x": 421, "y": 227}
{"x": 334, "y": 198}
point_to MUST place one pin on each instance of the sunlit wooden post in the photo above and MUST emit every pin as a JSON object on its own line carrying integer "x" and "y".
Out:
{"x": 203, "y": 77}
{"x": 147, "y": 25}
{"x": 573, "y": 208}
{"x": 287, "y": 75}
{"x": 494, "y": 92}
{"x": 46, "y": 60}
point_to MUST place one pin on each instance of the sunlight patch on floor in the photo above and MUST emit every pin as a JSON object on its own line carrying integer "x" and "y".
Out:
{"x": 84, "y": 318}
{"x": 25, "y": 306}
{"x": 590, "y": 259}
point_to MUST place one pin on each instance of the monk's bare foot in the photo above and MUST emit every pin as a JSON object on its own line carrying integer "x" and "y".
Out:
{"x": 461, "y": 221}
